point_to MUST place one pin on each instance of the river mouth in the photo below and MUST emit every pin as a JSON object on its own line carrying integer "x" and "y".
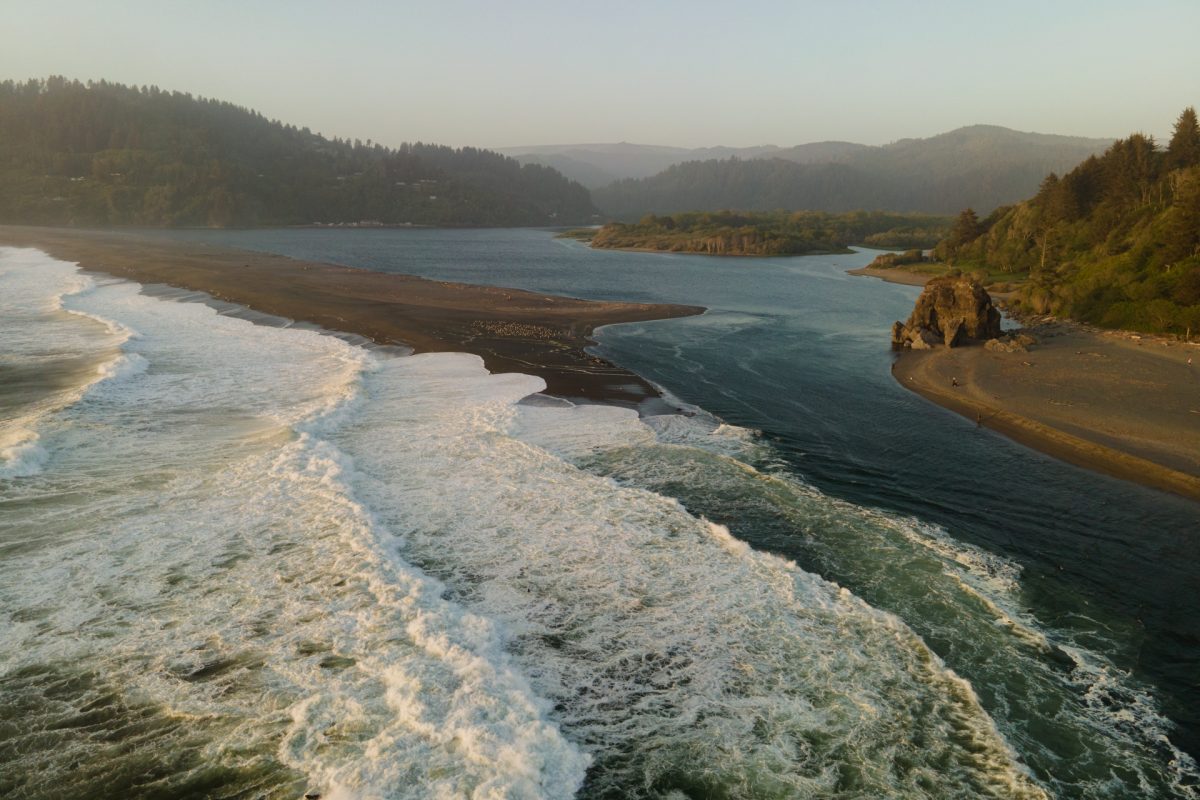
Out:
{"x": 570, "y": 605}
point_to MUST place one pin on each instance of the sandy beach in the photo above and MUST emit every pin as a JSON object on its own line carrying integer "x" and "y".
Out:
{"x": 1114, "y": 402}
{"x": 1108, "y": 401}
{"x": 893, "y": 275}
{"x": 512, "y": 330}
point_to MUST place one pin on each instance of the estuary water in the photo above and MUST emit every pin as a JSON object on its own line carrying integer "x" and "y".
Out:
{"x": 243, "y": 559}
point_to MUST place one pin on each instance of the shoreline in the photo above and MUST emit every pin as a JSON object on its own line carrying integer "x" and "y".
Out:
{"x": 906, "y": 277}
{"x": 511, "y": 329}
{"x": 1089, "y": 399}
{"x": 1121, "y": 404}
{"x": 893, "y": 275}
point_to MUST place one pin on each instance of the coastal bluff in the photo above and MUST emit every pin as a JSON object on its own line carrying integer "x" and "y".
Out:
{"x": 950, "y": 309}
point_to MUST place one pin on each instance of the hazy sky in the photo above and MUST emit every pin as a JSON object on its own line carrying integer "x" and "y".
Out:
{"x": 512, "y": 72}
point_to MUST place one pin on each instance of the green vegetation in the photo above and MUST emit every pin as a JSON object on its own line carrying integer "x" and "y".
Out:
{"x": 907, "y": 259}
{"x": 922, "y": 232}
{"x": 779, "y": 233}
{"x": 578, "y": 234}
{"x": 106, "y": 154}
{"x": 918, "y": 261}
{"x": 981, "y": 166}
{"x": 1114, "y": 242}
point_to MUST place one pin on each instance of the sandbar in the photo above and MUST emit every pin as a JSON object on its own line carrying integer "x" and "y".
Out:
{"x": 512, "y": 330}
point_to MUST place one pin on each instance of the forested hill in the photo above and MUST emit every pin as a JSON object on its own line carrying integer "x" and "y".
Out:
{"x": 981, "y": 166}
{"x": 1115, "y": 241}
{"x": 106, "y": 154}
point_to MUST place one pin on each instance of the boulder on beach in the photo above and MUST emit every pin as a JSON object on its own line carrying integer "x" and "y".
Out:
{"x": 951, "y": 309}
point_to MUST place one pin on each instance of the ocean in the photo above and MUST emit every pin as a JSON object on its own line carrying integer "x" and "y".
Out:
{"x": 245, "y": 558}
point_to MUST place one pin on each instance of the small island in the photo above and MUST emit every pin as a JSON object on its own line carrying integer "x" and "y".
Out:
{"x": 777, "y": 233}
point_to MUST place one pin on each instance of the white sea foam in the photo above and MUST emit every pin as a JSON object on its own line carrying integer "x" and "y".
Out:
{"x": 212, "y": 559}
{"x": 125, "y": 366}
{"x": 22, "y": 458}
{"x": 578, "y": 432}
{"x": 644, "y": 624}
{"x": 961, "y": 592}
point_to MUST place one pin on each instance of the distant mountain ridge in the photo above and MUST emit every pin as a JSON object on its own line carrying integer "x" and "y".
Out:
{"x": 982, "y": 166}
{"x": 105, "y": 154}
{"x": 597, "y": 165}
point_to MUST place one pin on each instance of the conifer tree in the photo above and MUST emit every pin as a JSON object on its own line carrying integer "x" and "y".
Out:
{"x": 1184, "y": 148}
{"x": 966, "y": 229}
{"x": 1115, "y": 241}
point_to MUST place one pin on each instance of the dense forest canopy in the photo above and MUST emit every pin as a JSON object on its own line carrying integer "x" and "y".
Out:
{"x": 1115, "y": 241}
{"x": 105, "y": 154}
{"x": 771, "y": 234}
{"x": 981, "y": 166}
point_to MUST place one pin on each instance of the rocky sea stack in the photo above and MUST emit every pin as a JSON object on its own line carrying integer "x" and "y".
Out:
{"x": 952, "y": 308}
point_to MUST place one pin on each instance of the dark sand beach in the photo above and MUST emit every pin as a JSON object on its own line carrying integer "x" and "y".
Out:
{"x": 1104, "y": 401}
{"x": 512, "y": 330}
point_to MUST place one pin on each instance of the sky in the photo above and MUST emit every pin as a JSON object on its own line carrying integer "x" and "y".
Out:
{"x": 693, "y": 74}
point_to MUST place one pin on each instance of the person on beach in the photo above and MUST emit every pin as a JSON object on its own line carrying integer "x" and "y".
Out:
{"x": 954, "y": 381}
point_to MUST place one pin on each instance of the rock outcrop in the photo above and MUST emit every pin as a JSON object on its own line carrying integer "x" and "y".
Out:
{"x": 952, "y": 308}
{"x": 1012, "y": 343}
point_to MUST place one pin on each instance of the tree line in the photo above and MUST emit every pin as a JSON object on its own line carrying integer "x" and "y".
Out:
{"x": 101, "y": 153}
{"x": 1115, "y": 241}
{"x": 779, "y": 233}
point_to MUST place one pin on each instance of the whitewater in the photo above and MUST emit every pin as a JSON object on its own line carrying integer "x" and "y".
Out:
{"x": 243, "y": 559}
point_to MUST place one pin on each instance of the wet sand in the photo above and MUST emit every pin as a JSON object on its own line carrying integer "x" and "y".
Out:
{"x": 512, "y": 330}
{"x": 1128, "y": 407}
